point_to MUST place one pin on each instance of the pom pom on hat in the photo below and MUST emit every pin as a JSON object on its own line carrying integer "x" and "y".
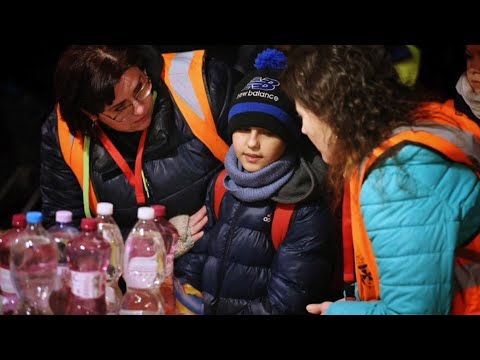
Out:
{"x": 259, "y": 101}
{"x": 271, "y": 59}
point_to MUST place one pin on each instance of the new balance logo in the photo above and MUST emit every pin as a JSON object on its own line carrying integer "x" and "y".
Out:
{"x": 262, "y": 83}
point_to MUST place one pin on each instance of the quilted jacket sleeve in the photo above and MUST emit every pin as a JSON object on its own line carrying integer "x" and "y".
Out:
{"x": 59, "y": 187}
{"x": 189, "y": 267}
{"x": 428, "y": 207}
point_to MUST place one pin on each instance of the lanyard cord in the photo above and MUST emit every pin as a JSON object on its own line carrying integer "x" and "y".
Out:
{"x": 134, "y": 179}
{"x": 86, "y": 175}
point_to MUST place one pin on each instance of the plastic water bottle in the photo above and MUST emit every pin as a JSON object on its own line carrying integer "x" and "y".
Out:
{"x": 110, "y": 231}
{"x": 62, "y": 233}
{"x": 170, "y": 236}
{"x": 87, "y": 255}
{"x": 144, "y": 267}
{"x": 33, "y": 266}
{"x": 7, "y": 289}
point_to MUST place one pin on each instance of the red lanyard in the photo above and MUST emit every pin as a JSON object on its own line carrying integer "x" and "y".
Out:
{"x": 135, "y": 180}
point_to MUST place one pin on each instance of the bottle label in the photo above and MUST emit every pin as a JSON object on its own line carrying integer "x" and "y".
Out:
{"x": 6, "y": 282}
{"x": 88, "y": 285}
{"x": 141, "y": 272}
{"x": 138, "y": 312}
{"x": 63, "y": 276}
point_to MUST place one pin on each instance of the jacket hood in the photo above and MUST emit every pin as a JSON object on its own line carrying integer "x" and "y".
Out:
{"x": 306, "y": 182}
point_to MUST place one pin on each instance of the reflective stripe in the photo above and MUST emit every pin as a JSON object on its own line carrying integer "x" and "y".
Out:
{"x": 86, "y": 175}
{"x": 187, "y": 86}
{"x": 181, "y": 83}
{"x": 72, "y": 148}
{"x": 463, "y": 139}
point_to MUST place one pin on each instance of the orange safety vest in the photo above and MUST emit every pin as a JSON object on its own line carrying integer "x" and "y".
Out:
{"x": 183, "y": 75}
{"x": 455, "y": 136}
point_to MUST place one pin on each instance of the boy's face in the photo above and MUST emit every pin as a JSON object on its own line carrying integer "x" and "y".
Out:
{"x": 257, "y": 148}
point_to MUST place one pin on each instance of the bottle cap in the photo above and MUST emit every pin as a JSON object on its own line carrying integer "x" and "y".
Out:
{"x": 63, "y": 216}
{"x": 104, "y": 208}
{"x": 88, "y": 224}
{"x": 19, "y": 220}
{"x": 159, "y": 210}
{"x": 145, "y": 213}
{"x": 34, "y": 217}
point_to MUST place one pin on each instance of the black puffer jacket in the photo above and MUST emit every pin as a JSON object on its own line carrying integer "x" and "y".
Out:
{"x": 177, "y": 166}
{"x": 236, "y": 266}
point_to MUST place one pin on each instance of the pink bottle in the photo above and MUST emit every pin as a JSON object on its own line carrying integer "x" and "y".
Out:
{"x": 144, "y": 267}
{"x": 170, "y": 236}
{"x": 62, "y": 233}
{"x": 7, "y": 289}
{"x": 33, "y": 266}
{"x": 87, "y": 256}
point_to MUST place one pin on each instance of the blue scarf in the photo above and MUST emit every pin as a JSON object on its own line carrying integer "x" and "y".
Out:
{"x": 258, "y": 185}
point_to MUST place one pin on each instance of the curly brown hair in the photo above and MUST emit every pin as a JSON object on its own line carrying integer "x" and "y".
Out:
{"x": 357, "y": 92}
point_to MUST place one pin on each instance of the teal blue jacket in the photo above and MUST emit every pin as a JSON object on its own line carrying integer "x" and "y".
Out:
{"x": 417, "y": 208}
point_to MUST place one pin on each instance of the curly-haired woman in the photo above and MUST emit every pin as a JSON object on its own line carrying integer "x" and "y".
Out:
{"x": 411, "y": 205}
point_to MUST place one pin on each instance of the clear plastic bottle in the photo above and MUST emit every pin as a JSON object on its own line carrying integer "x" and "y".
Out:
{"x": 62, "y": 232}
{"x": 33, "y": 266}
{"x": 87, "y": 255}
{"x": 7, "y": 289}
{"x": 144, "y": 267}
{"x": 110, "y": 231}
{"x": 170, "y": 236}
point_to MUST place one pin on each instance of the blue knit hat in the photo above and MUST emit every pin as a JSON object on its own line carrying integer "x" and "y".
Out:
{"x": 258, "y": 100}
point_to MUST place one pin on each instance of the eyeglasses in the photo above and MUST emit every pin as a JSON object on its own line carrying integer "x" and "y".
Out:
{"x": 126, "y": 110}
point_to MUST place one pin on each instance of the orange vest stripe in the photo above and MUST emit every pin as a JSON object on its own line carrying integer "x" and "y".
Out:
{"x": 467, "y": 292}
{"x": 203, "y": 128}
{"x": 72, "y": 150}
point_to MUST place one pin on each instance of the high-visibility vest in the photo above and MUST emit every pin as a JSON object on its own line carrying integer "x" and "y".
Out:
{"x": 455, "y": 136}
{"x": 183, "y": 75}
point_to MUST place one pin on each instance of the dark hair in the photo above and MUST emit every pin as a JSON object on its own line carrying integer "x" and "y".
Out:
{"x": 85, "y": 78}
{"x": 357, "y": 92}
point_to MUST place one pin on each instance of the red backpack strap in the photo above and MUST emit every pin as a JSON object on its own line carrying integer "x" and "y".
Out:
{"x": 280, "y": 223}
{"x": 218, "y": 192}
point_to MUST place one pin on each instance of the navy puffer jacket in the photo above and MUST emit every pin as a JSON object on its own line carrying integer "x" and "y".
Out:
{"x": 239, "y": 271}
{"x": 177, "y": 166}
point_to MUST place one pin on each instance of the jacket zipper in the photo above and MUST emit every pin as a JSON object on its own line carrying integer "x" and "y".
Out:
{"x": 221, "y": 276}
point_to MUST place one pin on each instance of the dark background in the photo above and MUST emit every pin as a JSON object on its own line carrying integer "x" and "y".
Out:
{"x": 26, "y": 98}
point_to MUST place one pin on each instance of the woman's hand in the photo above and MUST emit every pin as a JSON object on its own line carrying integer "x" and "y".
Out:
{"x": 197, "y": 222}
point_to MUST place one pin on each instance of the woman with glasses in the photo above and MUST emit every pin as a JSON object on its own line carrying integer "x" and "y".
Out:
{"x": 134, "y": 128}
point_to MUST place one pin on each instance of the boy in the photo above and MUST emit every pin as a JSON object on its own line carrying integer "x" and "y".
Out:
{"x": 235, "y": 265}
